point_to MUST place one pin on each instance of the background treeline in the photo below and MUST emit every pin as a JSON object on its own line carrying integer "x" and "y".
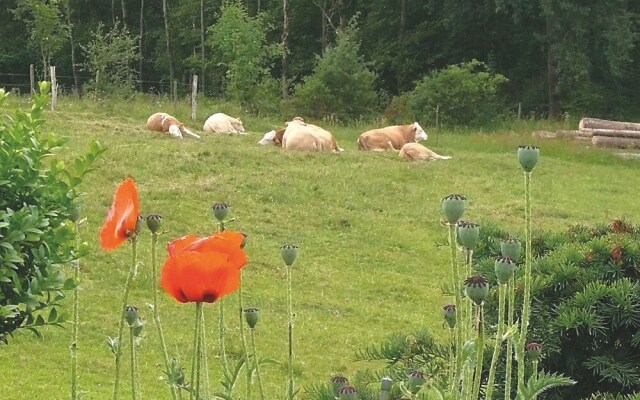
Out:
{"x": 346, "y": 59}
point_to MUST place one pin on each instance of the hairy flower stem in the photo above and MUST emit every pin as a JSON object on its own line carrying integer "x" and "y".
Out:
{"x": 452, "y": 354}
{"x": 243, "y": 338}
{"x": 134, "y": 384}
{"x": 125, "y": 299}
{"x": 498, "y": 344}
{"x": 74, "y": 328}
{"x": 257, "y": 364}
{"x": 479, "y": 354}
{"x": 468, "y": 311}
{"x": 195, "y": 363}
{"x": 460, "y": 325}
{"x": 511, "y": 289}
{"x": 221, "y": 333}
{"x": 526, "y": 301}
{"x": 156, "y": 315}
{"x": 290, "y": 342}
{"x": 203, "y": 356}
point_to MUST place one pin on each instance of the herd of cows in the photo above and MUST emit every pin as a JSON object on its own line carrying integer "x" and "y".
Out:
{"x": 297, "y": 135}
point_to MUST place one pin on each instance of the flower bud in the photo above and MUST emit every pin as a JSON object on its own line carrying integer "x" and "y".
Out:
{"x": 131, "y": 315}
{"x": 220, "y": 211}
{"x": 477, "y": 288}
{"x": 510, "y": 248}
{"x": 453, "y": 207}
{"x": 386, "y": 383}
{"x": 416, "y": 380}
{"x": 504, "y": 268}
{"x": 244, "y": 241}
{"x": 251, "y": 316}
{"x": 528, "y": 157}
{"x": 289, "y": 252}
{"x": 532, "y": 351}
{"x": 468, "y": 233}
{"x": 139, "y": 224}
{"x": 74, "y": 212}
{"x": 154, "y": 222}
{"x": 348, "y": 393}
{"x": 137, "y": 327}
{"x": 449, "y": 312}
{"x": 337, "y": 383}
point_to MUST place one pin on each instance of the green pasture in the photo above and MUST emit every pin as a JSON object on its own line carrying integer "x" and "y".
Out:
{"x": 365, "y": 223}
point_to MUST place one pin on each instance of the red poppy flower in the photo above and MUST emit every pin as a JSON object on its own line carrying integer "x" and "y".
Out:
{"x": 122, "y": 216}
{"x": 203, "y": 270}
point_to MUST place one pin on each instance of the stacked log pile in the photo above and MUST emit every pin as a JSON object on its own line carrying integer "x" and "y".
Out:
{"x": 603, "y": 133}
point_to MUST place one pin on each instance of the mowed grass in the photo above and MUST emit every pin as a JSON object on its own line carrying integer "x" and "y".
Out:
{"x": 365, "y": 223}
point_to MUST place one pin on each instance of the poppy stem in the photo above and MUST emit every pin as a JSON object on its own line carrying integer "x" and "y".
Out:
{"x": 243, "y": 339}
{"x": 290, "y": 386}
{"x": 156, "y": 314}
{"x": 526, "y": 301}
{"x": 497, "y": 347}
{"x": 127, "y": 288}
{"x": 205, "y": 362}
{"x": 255, "y": 359}
{"x": 479, "y": 353}
{"x": 460, "y": 325}
{"x": 511, "y": 288}
{"x": 75, "y": 326}
{"x": 134, "y": 365}
{"x": 223, "y": 351}
{"x": 195, "y": 364}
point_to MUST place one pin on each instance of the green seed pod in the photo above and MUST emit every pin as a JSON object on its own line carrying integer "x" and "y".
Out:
{"x": 453, "y": 207}
{"x": 337, "y": 383}
{"x": 289, "y": 252}
{"x": 138, "y": 326}
{"x": 251, "y": 316}
{"x": 139, "y": 224}
{"x": 348, "y": 393}
{"x": 386, "y": 383}
{"x": 528, "y": 157}
{"x": 416, "y": 380}
{"x": 504, "y": 267}
{"x": 511, "y": 248}
{"x": 154, "y": 222}
{"x": 131, "y": 315}
{"x": 449, "y": 313}
{"x": 477, "y": 288}
{"x": 220, "y": 211}
{"x": 468, "y": 233}
{"x": 532, "y": 351}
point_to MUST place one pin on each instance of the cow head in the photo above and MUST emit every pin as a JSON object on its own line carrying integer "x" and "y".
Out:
{"x": 420, "y": 134}
{"x": 237, "y": 125}
{"x": 268, "y": 138}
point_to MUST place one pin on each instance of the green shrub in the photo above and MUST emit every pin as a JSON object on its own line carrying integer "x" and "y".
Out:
{"x": 37, "y": 199}
{"x": 341, "y": 85}
{"x": 467, "y": 94}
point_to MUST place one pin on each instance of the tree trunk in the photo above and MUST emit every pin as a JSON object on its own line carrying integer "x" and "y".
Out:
{"x": 259, "y": 8}
{"x": 165, "y": 14}
{"x": 610, "y": 133}
{"x": 285, "y": 35}
{"x": 74, "y": 70}
{"x": 342, "y": 14}
{"x": 615, "y": 142}
{"x": 594, "y": 123}
{"x": 113, "y": 11}
{"x": 202, "y": 54}
{"x": 141, "y": 42}
{"x": 124, "y": 14}
{"x": 552, "y": 75}
{"x": 403, "y": 19}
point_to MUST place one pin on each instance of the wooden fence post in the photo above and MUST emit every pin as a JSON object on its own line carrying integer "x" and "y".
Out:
{"x": 520, "y": 110}
{"x": 194, "y": 97}
{"x": 175, "y": 91}
{"x": 32, "y": 78}
{"x": 54, "y": 88}
{"x": 437, "y": 122}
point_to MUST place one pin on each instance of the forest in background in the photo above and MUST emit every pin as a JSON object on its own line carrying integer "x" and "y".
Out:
{"x": 553, "y": 57}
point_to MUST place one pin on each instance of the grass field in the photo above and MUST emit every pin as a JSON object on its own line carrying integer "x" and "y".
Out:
{"x": 365, "y": 224}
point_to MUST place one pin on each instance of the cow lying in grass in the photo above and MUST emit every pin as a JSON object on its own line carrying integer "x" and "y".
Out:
{"x": 163, "y": 122}
{"x": 391, "y": 137}
{"x": 222, "y": 123}
{"x": 417, "y": 152}
{"x": 301, "y": 136}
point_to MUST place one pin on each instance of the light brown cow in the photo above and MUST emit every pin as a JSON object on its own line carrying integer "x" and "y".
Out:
{"x": 273, "y": 137}
{"x": 222, "y": 123}
{"x": 391, "y": 137}
{"x": 163, "y": 122}
{"x": 302, "y": 136}
{"x": 417, "y": 152}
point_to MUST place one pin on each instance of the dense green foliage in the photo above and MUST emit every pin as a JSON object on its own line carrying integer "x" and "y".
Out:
{"x": 37, "y": 201}
{"x": 558, "y": 58}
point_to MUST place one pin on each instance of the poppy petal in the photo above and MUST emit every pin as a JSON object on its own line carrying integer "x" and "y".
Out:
{"x": 121, "y": 217}
{"x": 227, "y": 242}
{"x": 180, "y": 244}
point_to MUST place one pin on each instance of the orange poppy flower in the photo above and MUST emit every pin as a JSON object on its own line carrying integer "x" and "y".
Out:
{"x": 203, "y": 270}
{"x": 122, "y": 216}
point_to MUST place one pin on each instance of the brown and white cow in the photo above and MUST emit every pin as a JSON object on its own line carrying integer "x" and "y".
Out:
{"x": 299, "y": 135}
{"x": 417, "y": 152}
{"x": 222, "y": 123}
{"x": 273, "y": 137}
{"x": 163, "y": 122}
{"x": 391, "y": 137}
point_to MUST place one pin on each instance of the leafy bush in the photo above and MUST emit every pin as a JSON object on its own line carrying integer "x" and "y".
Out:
{"x": 341, "y": 85}
{"x": 37, "y": 200}
{"x": 466, "y": 93}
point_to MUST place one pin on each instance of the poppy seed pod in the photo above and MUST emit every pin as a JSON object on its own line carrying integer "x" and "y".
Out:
{"x": 385, "y": 384}
{"x": 449, "y": 313}
{"x": 74, "y": 213}
{"x": 139, "y": 223}
{"x": 511, "y": 248}
{"x": 533, "y": 351}
{"x": 504, "y": 268}
{"x": 220, "y": 211}
{"x": 154, "y": 222}
{"x": 289, "y": 252}
{"x": 477, "y": 288}
{"x": 468, "y": 233}
{"x": 416, "y": 380}
{"x": 251, "y": 315}
{"x": 347, "y": 393}
{"x": 528, "y": 157}
{"x": 453, "y": 207}
{"x": 244, "y": 241}
{"x": 131, "y": 315}
{"x": 337, "y": 383}
{"x": 138, "y": 326}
